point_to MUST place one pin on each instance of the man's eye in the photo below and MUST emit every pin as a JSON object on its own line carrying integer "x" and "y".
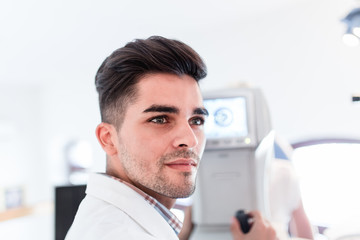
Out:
{"x": 197, "y": 121}
{"x": 159, "y": 120}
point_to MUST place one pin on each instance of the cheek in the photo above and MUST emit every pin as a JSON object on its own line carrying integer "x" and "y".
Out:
{"x": 201, "y": 143}
{"x": 149, "y": 147}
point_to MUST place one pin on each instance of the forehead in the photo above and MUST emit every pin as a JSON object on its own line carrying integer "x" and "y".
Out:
{"x": 169, "y": 89}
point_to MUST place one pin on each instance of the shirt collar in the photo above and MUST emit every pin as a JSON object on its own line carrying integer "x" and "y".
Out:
{"x": 169, "y": 217}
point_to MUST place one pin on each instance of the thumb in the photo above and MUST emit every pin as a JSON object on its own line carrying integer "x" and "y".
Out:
{"x": 235, "y": 229}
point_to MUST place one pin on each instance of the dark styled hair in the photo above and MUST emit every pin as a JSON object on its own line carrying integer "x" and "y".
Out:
{"x": 118, "y": 75}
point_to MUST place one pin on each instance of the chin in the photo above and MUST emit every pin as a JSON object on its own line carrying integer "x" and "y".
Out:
{"x": 184, "y": 193}
{"x": 179, "y": 190}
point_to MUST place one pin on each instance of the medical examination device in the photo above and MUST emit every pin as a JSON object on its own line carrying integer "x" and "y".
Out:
{"x": 233, "y": 172}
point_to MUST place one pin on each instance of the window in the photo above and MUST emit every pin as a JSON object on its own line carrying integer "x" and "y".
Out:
{"x": 329, "y": 172}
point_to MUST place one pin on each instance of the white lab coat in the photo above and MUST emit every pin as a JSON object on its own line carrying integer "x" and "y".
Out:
{"x": 111, "y": 210}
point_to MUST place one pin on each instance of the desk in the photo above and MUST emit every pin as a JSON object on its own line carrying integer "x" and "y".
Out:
{"x": 28, "y": 223}
{"x": 15, "y": 213}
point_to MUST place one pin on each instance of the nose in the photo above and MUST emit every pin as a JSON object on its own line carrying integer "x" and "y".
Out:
{"x": 185, "y": 137}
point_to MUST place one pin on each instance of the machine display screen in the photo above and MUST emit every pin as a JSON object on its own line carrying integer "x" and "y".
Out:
{"x": 227, "y": 118}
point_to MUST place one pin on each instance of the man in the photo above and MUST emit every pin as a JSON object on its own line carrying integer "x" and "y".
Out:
{"x": 152, "y": 133}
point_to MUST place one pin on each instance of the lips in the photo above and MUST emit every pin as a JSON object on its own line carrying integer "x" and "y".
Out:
{"x": 182, "y": 164}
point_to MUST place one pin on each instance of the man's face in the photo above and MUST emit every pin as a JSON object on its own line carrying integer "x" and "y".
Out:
{"x": 161, "y": 140}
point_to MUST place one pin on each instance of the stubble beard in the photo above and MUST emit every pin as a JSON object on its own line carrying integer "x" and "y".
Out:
{"x": 164, "y": 187}
{"x": 139, "y": 173}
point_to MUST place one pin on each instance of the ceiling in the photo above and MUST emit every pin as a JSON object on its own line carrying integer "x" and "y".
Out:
{"x": 42, "y": 40}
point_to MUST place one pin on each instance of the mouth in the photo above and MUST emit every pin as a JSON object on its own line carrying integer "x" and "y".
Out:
{"x": 184, "y": 165}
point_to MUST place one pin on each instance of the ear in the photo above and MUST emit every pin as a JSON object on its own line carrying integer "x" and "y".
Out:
{"x": 107, "y": 137}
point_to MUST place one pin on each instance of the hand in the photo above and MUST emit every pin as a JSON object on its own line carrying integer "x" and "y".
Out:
{"x": 261, "y": 229}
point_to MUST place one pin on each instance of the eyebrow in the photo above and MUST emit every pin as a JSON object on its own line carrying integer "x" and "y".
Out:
{"x": 175, "y": 110}
{"x": 201, "y": 111}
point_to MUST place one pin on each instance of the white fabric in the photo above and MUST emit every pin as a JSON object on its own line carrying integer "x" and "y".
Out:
{"x": 112, "y": 210}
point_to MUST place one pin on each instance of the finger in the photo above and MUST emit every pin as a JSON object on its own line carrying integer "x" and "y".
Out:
{"x": 255, "y": 218}
{"x": 270, "y": 230}
{"x": 255, "y": 214}
{"x": 235, "y": 229}
{"x": 262, "y": 225}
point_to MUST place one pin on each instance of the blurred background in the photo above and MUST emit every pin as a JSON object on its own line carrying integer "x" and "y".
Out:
{"x": 50, "y": 51}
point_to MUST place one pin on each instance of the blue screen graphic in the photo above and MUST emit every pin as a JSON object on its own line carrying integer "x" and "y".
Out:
{"x": 227, "y": 118}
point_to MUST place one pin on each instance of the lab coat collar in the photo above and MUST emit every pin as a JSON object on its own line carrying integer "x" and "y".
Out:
{"x": 129, "y": 201}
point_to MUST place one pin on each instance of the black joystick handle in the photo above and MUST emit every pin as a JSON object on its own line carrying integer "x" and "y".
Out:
{"x": 243, "y": 219}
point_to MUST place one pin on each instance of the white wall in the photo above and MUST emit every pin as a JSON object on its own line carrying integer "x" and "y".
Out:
{"x": 22, "y": 162}
{"x": 50, "y": 51}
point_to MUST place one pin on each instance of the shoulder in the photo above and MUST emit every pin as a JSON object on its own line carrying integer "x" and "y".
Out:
{"x": 97, "y": 219}
{"x": 113, "y": 209}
